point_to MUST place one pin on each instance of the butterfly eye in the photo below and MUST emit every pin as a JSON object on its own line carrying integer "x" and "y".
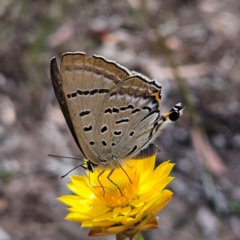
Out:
{"x": 90, "y": 166}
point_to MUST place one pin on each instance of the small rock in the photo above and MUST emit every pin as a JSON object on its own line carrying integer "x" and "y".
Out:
{"x": 4, "y": 235}
{"x": 207, "y": 222}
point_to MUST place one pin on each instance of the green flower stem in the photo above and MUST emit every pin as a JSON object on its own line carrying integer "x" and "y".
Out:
{"x": 139, "y": 236}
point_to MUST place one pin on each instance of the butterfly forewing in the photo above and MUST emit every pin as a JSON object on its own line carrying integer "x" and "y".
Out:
{"x": 57, "y": 86}
{"x": 85, "y": 83}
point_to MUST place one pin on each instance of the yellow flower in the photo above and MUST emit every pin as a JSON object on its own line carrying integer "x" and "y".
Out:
{"x": 109, "y": 211}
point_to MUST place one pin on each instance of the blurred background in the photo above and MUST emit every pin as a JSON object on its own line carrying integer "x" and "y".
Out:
{"x": 192, "y": 47}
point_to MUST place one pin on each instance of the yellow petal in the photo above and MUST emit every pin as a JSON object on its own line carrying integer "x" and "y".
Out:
{"x": 72, "y": 200}
{"x": 136, "y": 203}
{"x": 116, "y": 211}
{"x": 90, "y": 223}
{"x": 126, "y": 210}
{"x": 82, "y": 191}
{"x": 104, "y": 216}
{"x": 135, "y": 211}
{"x": 77, "y": 217}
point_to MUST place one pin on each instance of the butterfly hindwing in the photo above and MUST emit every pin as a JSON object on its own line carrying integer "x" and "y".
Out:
{"x": 130, "y": 112}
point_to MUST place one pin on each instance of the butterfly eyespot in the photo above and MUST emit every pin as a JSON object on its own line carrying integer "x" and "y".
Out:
{"x": 91, "y": 142}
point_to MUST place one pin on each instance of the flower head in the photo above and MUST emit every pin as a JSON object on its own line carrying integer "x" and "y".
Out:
{"x": 106, "y": 210}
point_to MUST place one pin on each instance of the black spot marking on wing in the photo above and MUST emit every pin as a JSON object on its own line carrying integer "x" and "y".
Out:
{"x": 123, "y": 108}
{"x": 149, "y": 114}
{"x": 133, "y": 150}
{"x": 104, "y": 129}
{"x": 108, "y": 110}
{"x": 79, "y": 92}
{"x": 117, "y": 133}
{"x": 113, "y": 94}
{"x": 84, "y": 113}
{"x": 68, "y": 95}
{"x": 104, "y": 143}
{"x": 130, "y": 106}
{"x": 113, "y": 144}
{"x": 123, "y": 120}
{"x": 91, "y": 142}
{"x": 94, "y": 91}
{"x": 131, "y": 133}
{"x": 153, "y": 130}
{"x": 102, "y": 90}
{"x": 115, "y": 110}
{"x": 135, "y": 110}
{"x": 86, "y": 92}
{"x": 147, "y": 108}
{"x": 87, "y": 129}
{"x": 74, "y": 94}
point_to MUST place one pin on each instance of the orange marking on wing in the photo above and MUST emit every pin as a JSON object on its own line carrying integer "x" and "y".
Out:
{"x": 157, "y": 97}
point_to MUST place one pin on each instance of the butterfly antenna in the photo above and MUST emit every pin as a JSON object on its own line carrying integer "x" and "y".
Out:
{"x": 50, "y": 155}
{"x": 81, "y": 165}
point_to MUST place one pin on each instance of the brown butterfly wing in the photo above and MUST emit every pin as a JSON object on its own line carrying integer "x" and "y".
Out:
{"x": 81, "y": 88}
{"x": 57, "y": 86}
{"x": 129, "y": 117}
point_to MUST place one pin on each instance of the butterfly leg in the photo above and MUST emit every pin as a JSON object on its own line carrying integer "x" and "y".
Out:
{"x": 101, "y": 186}
{"x": 98, "y": 177}
{"x": 125, "y": 172}
{"x": 108, "y": 177}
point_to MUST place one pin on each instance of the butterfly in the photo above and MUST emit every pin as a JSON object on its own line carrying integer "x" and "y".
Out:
{"x": 113, "y": 113}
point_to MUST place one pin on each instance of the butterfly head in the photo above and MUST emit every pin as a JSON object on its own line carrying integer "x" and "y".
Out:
{"x": 88, "y": 165}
